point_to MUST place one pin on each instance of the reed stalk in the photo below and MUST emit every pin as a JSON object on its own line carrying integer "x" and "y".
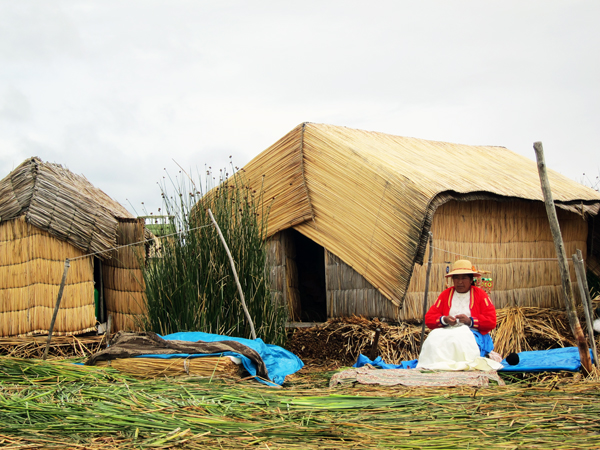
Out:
{"x": 52, "y": 405}
{"x": 190, "y": 284}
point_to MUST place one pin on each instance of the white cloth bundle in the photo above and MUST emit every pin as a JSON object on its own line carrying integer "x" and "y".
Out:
{"x": 453, "y": 348}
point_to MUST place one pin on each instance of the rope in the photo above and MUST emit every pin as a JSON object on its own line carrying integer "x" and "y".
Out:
{"x": 494, "y": 259}
{"x": 138, "y": 243}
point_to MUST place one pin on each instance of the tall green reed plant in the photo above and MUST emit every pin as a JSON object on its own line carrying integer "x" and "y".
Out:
{"x": 190, "y": 284}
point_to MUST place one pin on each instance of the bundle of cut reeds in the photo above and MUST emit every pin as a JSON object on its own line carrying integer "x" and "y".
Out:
{"x": 344, "y": 339}
{"x": 60, "y": 346}
{"x": 206, "y": 366}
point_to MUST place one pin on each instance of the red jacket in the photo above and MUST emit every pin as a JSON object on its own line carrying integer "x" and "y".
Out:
{"x": 483, "y": 312}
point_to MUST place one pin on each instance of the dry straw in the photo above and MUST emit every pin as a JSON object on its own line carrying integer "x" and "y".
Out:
{"x": 206, "y": 366}
{"x": 61, "y": 347}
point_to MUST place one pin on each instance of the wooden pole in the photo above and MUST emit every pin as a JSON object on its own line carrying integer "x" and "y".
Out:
{"x": 586, "y": 301}
{"x": 108, "y": 330}
{"x": 235, "y": 275}
{"x": 101, "y": 282}
{"x": 590, "y": 306}
{"x": 374, "y": 345}
{"x": 426, "y": 289}
{"x": 58, "y": 299}
{"x": 584, "y": 352}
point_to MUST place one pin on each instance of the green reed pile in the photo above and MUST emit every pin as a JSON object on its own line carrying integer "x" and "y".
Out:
{"x": 97, "y": 412}
{"x": 190, "y": 284}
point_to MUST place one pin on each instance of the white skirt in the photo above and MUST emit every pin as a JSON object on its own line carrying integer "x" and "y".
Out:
{"x": 453, "y": 348}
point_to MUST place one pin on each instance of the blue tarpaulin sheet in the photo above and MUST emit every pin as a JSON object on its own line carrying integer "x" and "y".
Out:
{"x": 278, "y": 360}
{"x": 379, "y": 362}
{"x": 546, "y": 360}
{"x": 533, "y": 361}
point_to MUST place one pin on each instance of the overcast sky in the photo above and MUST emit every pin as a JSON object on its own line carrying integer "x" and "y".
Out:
{"x": 119, "y": 90}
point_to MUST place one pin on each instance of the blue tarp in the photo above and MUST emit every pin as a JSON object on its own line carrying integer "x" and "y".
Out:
{"x": 546, "y": 360}
{"x": 533, "y": 361}
{"x": 279, "y": 361}
{"x": 379, "y": 362}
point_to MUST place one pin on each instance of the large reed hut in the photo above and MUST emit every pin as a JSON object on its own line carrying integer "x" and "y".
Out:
{"x": 49, "y": 214}
{"x": 350, "y": 212}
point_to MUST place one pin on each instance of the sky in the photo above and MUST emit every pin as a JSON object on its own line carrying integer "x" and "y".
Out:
{"x": 126, "y": 92}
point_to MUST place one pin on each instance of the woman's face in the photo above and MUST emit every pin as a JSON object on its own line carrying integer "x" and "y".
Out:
{"x": 462, "y": 283}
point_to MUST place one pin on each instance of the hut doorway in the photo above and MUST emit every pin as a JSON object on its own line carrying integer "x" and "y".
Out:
{"x": 310, "y": 262}
{"x": 100, "y": 307}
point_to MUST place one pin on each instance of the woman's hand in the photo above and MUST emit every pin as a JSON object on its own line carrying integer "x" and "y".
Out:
{"x": 450, "y": 320}
{"x": 463, "y": 318}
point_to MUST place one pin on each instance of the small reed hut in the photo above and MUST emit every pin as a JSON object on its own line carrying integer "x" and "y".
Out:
{"x": 350, "y": 212}
{"x": 49, "y": 214}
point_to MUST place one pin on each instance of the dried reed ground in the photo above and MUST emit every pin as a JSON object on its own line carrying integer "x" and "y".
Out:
{"x": 53, "y": 405}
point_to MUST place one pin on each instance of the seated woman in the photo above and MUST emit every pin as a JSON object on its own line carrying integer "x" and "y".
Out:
{"x": 460, "y": 320}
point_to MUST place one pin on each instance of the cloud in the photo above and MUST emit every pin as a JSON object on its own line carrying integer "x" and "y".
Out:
{"x": 14, "y": 106}
{"x": 118, "y": 90}
{"x": 36, "y": 30}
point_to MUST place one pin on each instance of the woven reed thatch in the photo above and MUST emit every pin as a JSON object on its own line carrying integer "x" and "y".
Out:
{"x": 48, "y": 214}
{"x": 283, "y": 275}
{"x": 511, "y": 240}
{"x": 123, "y": 280}
{"x": 369, "y": 199}
{"x": 31, "y": 267}
{"x": 67, "y": 205}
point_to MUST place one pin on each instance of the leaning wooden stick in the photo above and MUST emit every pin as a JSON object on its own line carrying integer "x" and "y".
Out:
{"x": 585, "y": 301}
{"x": 426, "y": 288}
{"x": 58, "y": 299}
{"x": 235, "y": 275}
{"x": 584, "y": 352}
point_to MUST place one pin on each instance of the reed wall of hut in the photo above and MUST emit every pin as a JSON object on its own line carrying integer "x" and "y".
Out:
{"x": 593, "y": 259}
{"x": 32, "y": 263}
{"x": 509, "y": 239}
{"x": 349, "y": 293}
{"x": 124, "y": 288}
{"x": 283, "y": 272}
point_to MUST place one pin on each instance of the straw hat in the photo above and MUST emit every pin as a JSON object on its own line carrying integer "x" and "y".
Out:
{"x": 463, "y": 267}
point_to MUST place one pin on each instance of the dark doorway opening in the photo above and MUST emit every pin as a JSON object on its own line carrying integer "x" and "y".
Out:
{"x": 310, "y": 261}
{"x": 99, "y": 291}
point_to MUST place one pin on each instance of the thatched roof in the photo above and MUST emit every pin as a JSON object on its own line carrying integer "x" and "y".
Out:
{"x": 370, "y": 197}
{"x": 66, "y": 205}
